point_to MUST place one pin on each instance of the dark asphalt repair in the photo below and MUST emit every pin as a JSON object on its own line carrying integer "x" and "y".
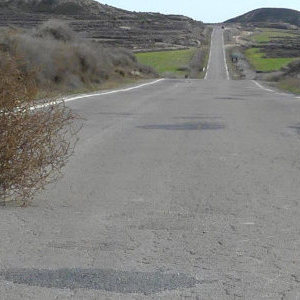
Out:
{"x": 186, "y": 126}
{"x": 296, "y": 127}
{"x": 229, "y": 98}
{"x": 100, "y": 279}
{"x": 115, "y": 114}
{"x": 199, "y": 116}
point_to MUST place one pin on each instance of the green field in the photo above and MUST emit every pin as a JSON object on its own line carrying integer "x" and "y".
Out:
{"x": 260, "y": 63}
{"x": 167, "y": 61}
{"x": 266, "y": 35}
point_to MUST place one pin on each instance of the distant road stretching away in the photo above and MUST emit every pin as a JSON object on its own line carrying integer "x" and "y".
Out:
{"x": 217, "y": 68}
{"x": 183, "y": 189}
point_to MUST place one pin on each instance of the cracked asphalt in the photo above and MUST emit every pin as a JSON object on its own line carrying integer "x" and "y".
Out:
{"x": 185, "y": 189}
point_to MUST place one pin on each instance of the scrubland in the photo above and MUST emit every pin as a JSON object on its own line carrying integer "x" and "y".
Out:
{"x": 65, "y": 62}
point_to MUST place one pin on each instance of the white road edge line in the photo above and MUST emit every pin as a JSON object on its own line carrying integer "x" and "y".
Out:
{"x": 224, "y": 53}
{"x": 209, "y": 59}
{"x": 274, "y": 92}
{"x": 262, "y": 87}
{"x": 69, "y": 99}
{"x": 112, "y": 92}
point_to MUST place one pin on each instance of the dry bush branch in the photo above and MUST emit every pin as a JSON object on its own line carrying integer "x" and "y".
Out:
{"x": 34, "y": 143}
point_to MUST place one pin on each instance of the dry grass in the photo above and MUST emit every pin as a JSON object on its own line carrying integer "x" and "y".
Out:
{"x": 290, "y": 84}
{"x": 34, "y": 143}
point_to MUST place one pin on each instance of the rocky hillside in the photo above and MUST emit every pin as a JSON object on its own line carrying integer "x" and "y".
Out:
{"x": 269, "y": 15}
{"x": 61, "y": 7}
{"x": 106, "y": 24}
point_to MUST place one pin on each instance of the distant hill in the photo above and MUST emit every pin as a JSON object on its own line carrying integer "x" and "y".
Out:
{"x": 271, "y": 15}
{"x": 106, "y": 24}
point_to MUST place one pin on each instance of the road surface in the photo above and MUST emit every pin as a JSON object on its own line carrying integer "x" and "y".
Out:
{"x": 183, "y": 189}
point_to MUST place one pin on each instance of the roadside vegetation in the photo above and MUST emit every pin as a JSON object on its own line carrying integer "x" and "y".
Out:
{"x": 290, "y": 84}
{"x": 66, "y": 63}
{"x": 36, "y": 137}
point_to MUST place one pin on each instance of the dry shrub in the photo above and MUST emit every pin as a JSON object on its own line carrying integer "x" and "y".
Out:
{"x": 293, "y": 68}
{"x": 60, "y": 64}
{"x": 63, "y": 60}
{"x": 36, "y": 137}
{"x": 147, "y": 70}
{"x": 291, "y": 84}
{"x": 57, "y": 30}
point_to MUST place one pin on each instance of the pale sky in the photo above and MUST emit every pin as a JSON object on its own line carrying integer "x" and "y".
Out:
{"x": 202, "y": 10}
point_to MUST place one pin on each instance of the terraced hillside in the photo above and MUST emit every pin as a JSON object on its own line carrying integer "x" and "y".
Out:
{"x": 106, "y": 24}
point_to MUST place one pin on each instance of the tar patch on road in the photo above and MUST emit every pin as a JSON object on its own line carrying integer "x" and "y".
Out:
{"x": 198, "y": 117}
{"x": 100, "y": 279}
{"x": 296, "y": 127}
{"x": 186, "y": 126}
{"x": 229, "y": 98}
{"x": 114, "y": 114}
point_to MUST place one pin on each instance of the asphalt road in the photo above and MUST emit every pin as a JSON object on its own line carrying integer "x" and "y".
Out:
{"x": 183, "y": 189}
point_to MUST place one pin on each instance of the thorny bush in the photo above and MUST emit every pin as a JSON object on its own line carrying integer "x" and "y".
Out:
{"x": 36, "y": 137}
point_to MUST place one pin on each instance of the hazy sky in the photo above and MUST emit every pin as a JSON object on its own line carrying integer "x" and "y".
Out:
{"x": 203, "y": 10}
